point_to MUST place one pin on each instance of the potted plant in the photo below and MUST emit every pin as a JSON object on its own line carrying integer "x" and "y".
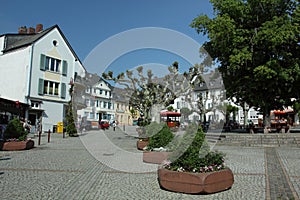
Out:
{"x": 15, "y": 137}
{"x": 194, "y": 168}
{"x": 143, "y": 138}
{"x": 160, "y": 136}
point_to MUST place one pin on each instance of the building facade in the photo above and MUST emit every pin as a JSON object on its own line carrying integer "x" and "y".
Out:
{"x": 37, "y": 67}
{"x": 98, "y": 102}
{"x": 123, "y": 115}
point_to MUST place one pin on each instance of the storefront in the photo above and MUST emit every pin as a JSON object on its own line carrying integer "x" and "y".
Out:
{"x": 10, "y": 109}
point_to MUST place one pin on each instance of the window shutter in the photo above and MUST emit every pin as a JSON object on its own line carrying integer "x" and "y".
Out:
{"x": 42, "y": 62}
{"x": 63, "y": 91}
{"x": 41, "y": 86}
{"x": 64, "y": 68}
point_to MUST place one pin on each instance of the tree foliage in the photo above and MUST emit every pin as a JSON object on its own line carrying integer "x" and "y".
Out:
{"x": 71, "y": 128}
{"x": 15, "y": 130}
{"x": 144, "y": 91}
{"x": 256, "y": 44}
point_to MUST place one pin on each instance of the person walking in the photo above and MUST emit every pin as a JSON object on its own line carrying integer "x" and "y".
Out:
{"x": 114, "y": 125}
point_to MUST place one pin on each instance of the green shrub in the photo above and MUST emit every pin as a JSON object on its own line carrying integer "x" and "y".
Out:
{"x": 15, "y": 129}
{"x": 160, "y": 135}
{"x": 192, "y": 153}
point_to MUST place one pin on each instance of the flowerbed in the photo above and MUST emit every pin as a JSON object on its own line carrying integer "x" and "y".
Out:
{"x": 193, "y": 168}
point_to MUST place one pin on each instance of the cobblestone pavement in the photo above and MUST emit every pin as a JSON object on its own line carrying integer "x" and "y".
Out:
{"x": 91, "y": 167}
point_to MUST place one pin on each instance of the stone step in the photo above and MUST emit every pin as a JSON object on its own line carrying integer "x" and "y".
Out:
{"x": 260, "y": 140}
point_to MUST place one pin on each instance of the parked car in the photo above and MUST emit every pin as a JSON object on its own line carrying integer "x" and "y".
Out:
{"x": 104, "y": 124}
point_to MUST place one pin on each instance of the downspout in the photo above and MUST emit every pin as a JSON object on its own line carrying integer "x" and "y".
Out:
{"x": 29, "y": 80}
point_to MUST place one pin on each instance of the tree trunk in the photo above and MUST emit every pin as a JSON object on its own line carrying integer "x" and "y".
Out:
{"x": 267, "y": 121}
{"x": 245, "y": 115}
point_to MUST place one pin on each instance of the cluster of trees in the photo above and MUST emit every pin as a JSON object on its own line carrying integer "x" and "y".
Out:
{"x": 256, "y": 44}
{"x": 148, "y": 94}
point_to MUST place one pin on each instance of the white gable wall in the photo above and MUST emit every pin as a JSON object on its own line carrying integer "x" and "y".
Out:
{"x": 53, "y": 106}
{"x": 61, "y": 51}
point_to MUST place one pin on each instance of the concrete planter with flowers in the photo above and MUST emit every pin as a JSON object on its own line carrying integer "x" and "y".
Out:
{"x": 195, "y": 169}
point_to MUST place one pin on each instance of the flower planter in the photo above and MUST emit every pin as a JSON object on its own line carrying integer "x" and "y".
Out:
{"x": 142, "y": 143}
{"x": 195, "y": 183}
{"x": 155, "y": 157}
{"x": 16, "y": 145}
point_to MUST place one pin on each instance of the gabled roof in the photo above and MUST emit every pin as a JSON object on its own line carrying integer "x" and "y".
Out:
{"x": 15, "y": 41}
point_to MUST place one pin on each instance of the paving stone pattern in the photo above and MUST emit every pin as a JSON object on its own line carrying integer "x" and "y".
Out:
{"x": 65, "y": 169}
{"x": 279, "y": 183}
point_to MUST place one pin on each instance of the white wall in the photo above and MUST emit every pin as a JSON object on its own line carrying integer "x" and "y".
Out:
{"x": 61, "y": 51}
{"x": 14, "y": 68}
{"x": 53, "y": 113}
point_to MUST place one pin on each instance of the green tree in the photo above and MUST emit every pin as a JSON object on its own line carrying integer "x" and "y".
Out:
{"x": 71, "y": 128}
{"x": 185, "y": 112}
{"x": 256, "y": 44}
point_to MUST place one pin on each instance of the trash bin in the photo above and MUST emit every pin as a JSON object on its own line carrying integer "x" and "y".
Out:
{"x": 54, "y": 129}
{"x": 60, "y": 127}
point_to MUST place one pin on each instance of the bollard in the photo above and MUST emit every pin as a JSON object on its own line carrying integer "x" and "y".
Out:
{"x": 39, "y": 141}
{"x": 124, "y": 127}
{"x": 48, "y": 135}
{"x": 63, "y": 134}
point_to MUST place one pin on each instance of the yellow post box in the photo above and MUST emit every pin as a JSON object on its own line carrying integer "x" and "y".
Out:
{"x": 60, "y": 127}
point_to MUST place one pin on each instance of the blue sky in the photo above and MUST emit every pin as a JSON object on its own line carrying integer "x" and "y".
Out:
{"x": 87, "y": 24}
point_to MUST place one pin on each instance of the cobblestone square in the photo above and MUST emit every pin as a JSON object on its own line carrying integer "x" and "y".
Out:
{"x": 71, "y": 168}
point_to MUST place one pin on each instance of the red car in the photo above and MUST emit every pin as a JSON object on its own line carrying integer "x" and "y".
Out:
{"x": 104, "y": 124}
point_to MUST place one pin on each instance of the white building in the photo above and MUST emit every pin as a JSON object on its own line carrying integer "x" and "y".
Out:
{"x": 36, "y": 68}
{"x": 98, "y": 101}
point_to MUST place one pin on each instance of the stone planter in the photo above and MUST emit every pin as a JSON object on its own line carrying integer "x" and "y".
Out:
{"x": 16, "y": 145}
{"x": 195, "y": 183}
{"x": 155, "y": 157}
{"x": 142, "y": 143}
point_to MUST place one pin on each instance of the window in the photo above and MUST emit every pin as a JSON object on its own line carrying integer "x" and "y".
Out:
{"x": 51, "y": 88}
{"x": 92, "y": 103}
{"x": 34, "y": 104}
{"x": 100, "y": 91}
{"x": 87, "y": 102}
{"x": 52, "y": 64}
{"x": 105, "y": 93}
{"x": 92, "y": 115}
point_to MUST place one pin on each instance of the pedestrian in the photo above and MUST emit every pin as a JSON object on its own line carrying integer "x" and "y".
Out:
{"x": 114, "y": 125}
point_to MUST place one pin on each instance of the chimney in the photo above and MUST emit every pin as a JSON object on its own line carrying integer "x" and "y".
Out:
{"x": 30, "y": 30}
{"x": 39, "y": 28}
{"x": 22, "y": 30}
